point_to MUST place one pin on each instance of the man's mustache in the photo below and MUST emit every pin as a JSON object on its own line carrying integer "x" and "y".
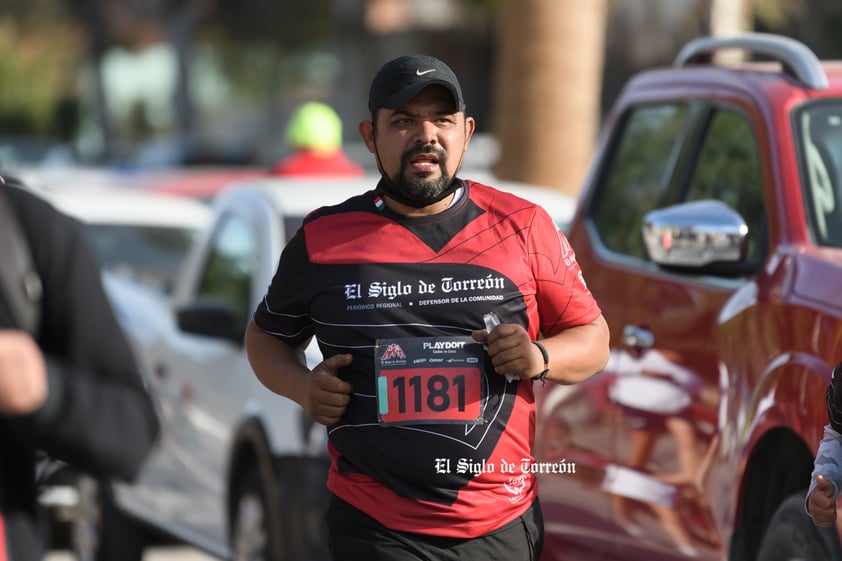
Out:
{"x": 424, "y": 149}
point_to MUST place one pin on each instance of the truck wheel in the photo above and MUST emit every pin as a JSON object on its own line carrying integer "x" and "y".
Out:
{"x": 792, "y": 536}
{"x": 250, "y": 536}
{"x": 99, "y": 530}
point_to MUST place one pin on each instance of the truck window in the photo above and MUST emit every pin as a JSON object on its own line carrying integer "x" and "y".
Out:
{"x": 291, "y": 225}
{"x": 728, "y": 169}
{"x": 636, "y": 176}
{"x": 230, "y": 267}
{"x": 820, "y": 131}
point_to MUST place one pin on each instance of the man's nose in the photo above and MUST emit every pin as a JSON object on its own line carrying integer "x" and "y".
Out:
{"x": 427, "y": 132}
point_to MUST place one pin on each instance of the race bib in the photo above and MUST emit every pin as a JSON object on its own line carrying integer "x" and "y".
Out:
{"x": 429, "y": 380}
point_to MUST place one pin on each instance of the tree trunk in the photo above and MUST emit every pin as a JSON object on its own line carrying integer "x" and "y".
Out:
{"x": 94, "y": 18}
{"x": 180, "y": 19}
{"x": 546, "y": 100}
{"x": 730, "y": 17}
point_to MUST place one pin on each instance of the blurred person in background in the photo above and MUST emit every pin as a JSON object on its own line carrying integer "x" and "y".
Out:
{"x": 826, "y": 481}
{"x": 430, "y": 417}
{"x": 314, "y": 133}
{"x": 69, "y": 387}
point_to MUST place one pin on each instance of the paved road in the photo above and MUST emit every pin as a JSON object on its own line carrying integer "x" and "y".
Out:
{"x": 153, "y": 554}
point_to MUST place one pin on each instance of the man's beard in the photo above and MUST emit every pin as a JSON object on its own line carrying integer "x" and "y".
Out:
{"x": 420, "y": 188}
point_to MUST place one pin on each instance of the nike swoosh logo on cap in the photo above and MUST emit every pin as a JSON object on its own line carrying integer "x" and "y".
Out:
{"x": 422, "y": 72}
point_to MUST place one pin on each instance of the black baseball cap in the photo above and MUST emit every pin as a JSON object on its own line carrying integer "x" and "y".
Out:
{"x": 400, "y": 79}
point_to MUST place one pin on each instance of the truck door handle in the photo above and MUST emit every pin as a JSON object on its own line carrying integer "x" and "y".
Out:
{"x": 638, "y": 337}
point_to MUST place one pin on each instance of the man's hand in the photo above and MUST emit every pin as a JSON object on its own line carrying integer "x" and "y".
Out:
{"x": 511, "y": 350}
{"x": 821, "y": 505}
{"x": 23, "y": 374}
{"x": 328, "y": 395}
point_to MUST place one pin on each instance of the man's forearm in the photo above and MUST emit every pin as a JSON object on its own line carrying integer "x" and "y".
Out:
{"x": 282, "y": 368}
{"x": 577, "y": 354}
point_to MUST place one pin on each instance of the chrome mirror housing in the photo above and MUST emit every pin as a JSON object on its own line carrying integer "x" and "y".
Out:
{"x": 695, "y": 234}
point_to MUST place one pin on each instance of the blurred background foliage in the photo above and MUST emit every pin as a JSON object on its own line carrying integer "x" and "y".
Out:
{"x": 38, "y": 68}
{"x": 179, "y": 82}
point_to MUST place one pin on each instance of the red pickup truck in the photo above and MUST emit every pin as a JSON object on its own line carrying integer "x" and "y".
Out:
{"x": 710, "y": 231}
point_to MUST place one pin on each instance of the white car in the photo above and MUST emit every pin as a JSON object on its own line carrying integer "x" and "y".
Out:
{"x": 135, "y": 233}
{"x": 240, "y": 472}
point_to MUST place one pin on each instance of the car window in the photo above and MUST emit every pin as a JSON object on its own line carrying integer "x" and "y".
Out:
{"x": 149, "y": 254}
{"x": 637, "y": 176}
{"x": 820, "y": 130}
{"x": 231, "y": 265}
{"x": 728, "y": 169}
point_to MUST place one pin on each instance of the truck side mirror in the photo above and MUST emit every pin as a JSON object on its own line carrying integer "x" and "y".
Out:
{"x": 211, "y": 318}
{"x": 696, "y": 234}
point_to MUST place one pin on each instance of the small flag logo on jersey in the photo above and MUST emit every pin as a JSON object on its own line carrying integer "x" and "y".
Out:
{"x": 378, "y": 202}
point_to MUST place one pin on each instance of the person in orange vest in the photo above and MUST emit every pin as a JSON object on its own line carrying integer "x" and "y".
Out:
{"x": 314, "y": 133}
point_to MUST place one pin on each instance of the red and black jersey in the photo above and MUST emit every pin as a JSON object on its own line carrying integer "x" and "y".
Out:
{"x": 356, "y": 273}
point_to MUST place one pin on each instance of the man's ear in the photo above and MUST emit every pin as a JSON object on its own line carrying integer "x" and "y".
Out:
{"x": 470, "y": 127}
{"x": 366, "y": 129}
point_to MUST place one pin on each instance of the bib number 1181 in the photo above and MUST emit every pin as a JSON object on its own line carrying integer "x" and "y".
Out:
{"x": 429, "y": 395}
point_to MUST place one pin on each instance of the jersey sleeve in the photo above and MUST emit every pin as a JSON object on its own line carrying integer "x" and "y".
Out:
{"x": 562, "y": 296}
{"x": 283, "y": 311}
